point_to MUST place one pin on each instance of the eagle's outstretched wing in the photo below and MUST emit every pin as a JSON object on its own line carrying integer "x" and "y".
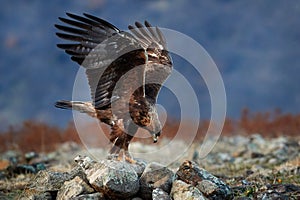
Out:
{"x": 108, "y": 53}
{"x": 103, "y": 50}
{"x": 159, "y": 62}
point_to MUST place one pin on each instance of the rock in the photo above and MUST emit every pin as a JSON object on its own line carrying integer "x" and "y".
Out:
{"x": 280, "y": 191}
{"x": 50, "y": 181}
{"x": 78, "y": 171}
{"x": 33, "y": 168}
{"x": 115, "y": 179}
{"x": 159, "y": 194}
{"x": 225, "y": 157}
{"x": 73, "y": 188}
{"x": 272, "y": 196}
{"x": 14, "y": 157}
{"x": 283, "y": 188}
{"x": 256, "y": 155}
{"x": 69, "y": 147}
{"x": 93, "y": 196}
{"x": 257, "y": 143}
{"x": 209, "y": 185}
{"x": 24, "y": 169}
{"x": 2, "y": 176}
{"x": 41, "y": 196}
{"x": 31, "y": 155}
{"x": 181, "y": 191}
{"x": 139, "y": 166}
{"x": 273, "y": 161}
{"x": 85, "y": 162}
{"x": 155, "y": 176}
{"x": 249, "y": 165}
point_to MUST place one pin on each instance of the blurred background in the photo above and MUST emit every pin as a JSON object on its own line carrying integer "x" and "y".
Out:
{"x": 255, "y": 44}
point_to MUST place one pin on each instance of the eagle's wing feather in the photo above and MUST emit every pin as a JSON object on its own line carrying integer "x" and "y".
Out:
{"x": 159, "y": 63}
{"x": 106, "y": 52}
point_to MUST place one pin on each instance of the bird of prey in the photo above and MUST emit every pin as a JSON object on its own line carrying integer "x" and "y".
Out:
{"x": 125, "y": 72}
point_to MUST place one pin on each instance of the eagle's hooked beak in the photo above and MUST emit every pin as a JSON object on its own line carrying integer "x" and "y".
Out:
{"x": 155, "y": 137}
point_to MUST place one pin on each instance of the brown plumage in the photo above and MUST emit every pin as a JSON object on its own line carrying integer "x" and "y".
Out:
{"x": 125, "y": 71}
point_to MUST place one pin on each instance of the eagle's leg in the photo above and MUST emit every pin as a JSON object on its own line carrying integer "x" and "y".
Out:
{"x": 131, "y": 131}
{"x": 127, "y": 155}
{"x": 119, "y": 149}
{"x": 115, "y": 139}
{"x": 121, "y": 140}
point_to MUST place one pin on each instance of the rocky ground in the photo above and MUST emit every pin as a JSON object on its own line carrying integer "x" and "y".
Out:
{"x": 237, "y": 168}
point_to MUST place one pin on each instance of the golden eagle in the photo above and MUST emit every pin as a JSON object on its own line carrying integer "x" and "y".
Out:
{"x": 125, "y": 72}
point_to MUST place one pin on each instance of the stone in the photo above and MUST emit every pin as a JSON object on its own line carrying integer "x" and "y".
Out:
{"x": 159, "y": 194}
{"x": 155, "y": 176}
{"x": 73, "y": 188}
{"x": 69, "y": 147}
{"x": 93, "y": 196}
{"x": 280, "y": 191}
{"x": 78, "y": 171}
{"x": 41, "y": 196}
{"x": 272, "y": 196}
{"x": 24, "y": 169}
{"x": 139, "y": 166}
{"x": 225, "y": 157}
{"x": 181, "y": 191}
{"x": 13, "y": 157}
{"x": 2, "y": 176}
{"x": 50, "y": 181}
{"x": 283, "y": 188}
{"x": 207, "y": 187}
{"x": 31, "y": 155}
{"x": 115, "y": 179}
{"x": 257, "y": 143}
{"x": 211, "y": 186}
{"x": 273, "y": 161}
{"x": 256, "y": 155}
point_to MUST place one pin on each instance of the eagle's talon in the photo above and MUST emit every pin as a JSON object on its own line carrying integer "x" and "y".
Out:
{"x": 130, "y": 160}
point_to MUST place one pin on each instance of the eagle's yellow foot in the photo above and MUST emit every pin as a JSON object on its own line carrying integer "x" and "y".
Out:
{"x": 129, "y": 158}
{"x": 125, "y": 156}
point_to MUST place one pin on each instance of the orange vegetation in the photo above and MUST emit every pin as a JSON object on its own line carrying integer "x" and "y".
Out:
{"x": 40, "y": 137}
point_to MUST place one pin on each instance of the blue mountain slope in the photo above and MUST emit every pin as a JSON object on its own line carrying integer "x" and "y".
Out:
{"x": 255, "y": 45}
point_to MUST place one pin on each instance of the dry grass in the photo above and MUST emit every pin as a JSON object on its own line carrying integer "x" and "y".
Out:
{"x": 40, "y": 137}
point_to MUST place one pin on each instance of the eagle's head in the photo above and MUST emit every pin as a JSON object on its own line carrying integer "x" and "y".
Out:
{"x": 145, "y": 116}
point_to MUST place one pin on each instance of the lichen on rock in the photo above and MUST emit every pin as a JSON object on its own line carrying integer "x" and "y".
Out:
{"x": 113, "y": 178}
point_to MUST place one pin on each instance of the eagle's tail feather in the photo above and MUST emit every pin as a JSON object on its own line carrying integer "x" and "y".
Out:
{"x": 63, "y": 104}
{"x": 83, "y": 107}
